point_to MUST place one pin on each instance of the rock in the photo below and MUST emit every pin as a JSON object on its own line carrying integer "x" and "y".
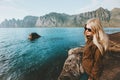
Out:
{"x": 33, "y": 36}
{"x": 72, "y": 67}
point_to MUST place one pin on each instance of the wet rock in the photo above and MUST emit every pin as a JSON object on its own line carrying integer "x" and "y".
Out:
{"x": 33, "y": 36}
{"x": 72, "y": 68}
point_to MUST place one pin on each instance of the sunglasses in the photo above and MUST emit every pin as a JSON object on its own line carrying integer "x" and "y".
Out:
{"x": 87, "y": 29}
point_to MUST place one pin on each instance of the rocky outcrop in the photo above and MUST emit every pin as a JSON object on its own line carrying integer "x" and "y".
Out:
{"x": 72, "y": 67}
{"x": 33, "y": 36}
{"x": 108, "y": 19}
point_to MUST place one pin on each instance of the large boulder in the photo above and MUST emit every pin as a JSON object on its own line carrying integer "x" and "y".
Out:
{"x": 33, "y": 36}
{"x": 72, "y": 67}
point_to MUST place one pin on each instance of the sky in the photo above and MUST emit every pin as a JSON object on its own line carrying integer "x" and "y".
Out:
{"x": 18, "y": 9}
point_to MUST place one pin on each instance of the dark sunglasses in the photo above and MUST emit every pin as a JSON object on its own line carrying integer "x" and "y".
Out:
{"x": 87, "y": 29}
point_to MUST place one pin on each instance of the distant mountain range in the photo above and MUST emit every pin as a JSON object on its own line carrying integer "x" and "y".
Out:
{"x": 108, "y": 19}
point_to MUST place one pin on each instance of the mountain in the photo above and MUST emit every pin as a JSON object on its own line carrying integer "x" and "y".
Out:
{"x": 28, "y": 21}
{"x": 115, "y": 17}
{"x": 54, "y": 19}
{"x": 102, "y": 14}
{"x": 108, "y": 19}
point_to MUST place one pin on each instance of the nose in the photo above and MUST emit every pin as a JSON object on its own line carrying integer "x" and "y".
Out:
{"x": 87, "y": 30}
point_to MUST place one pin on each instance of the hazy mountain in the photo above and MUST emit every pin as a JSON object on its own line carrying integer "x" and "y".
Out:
{"x": 115, "y": 17}
{"x": 108, "y": 19}
{"x": 100, "y": 13}
{"x": 56, "y": 19}
{"x": 28, "y": 21}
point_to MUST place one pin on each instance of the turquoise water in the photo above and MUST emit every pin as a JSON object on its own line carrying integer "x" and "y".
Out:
{"x": 41, "y": 59}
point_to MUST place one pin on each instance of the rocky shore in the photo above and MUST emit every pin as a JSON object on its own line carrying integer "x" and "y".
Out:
{"x": 72, "y": 67}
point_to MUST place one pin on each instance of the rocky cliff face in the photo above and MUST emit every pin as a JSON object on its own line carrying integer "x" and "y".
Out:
{"x": 108, "y": 19}
{"x": 54, "y": 20}
{"x": 102, "y": 14}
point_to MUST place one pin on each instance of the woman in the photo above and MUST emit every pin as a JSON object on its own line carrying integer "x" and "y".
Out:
{"x": 96, "y": 46}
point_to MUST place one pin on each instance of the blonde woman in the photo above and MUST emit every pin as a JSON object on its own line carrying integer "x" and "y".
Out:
{"x": 96, "y": 46}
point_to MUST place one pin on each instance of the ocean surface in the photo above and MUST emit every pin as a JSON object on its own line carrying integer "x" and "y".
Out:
{"x": 41, "y": 59}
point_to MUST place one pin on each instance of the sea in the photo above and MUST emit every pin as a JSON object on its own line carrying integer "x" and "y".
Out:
{"x": 40, "y": 59}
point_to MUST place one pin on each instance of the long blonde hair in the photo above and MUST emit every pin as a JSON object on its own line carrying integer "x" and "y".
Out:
{"x": 100, "y": 38}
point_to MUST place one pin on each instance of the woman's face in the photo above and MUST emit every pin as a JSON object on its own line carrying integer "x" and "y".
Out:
{"x": 88, "y": 30}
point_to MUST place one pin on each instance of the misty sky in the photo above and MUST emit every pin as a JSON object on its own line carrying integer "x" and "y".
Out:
{"x": 18, "y": 9}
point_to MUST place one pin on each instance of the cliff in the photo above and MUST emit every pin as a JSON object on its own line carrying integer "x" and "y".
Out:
{"x": 72, "y": 67}
{"x": 108, "y": 19}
